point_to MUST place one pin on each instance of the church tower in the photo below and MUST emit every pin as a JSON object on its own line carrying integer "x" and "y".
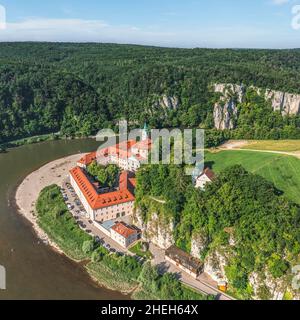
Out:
{"x": 145, "y": 133}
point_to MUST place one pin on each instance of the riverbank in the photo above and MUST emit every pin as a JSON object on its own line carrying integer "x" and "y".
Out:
{"x": 28, "y": 191}
{"x": 38, "y": 139}
{"x": 41, "y": 204}
{"x": 112, "y": 270}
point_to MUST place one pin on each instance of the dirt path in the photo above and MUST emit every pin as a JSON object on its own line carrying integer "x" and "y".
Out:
{"x": 239, "y": 144}
{"x": 294, "y": 154}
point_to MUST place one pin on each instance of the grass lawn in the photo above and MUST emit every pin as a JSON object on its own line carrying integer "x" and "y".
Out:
{"x": 137, "y": 249}
{"x": 110, "y": 278}
{"x": 274, "y": 145}
{"x": 142, "y": 294}
{"x": 282, "y": 170}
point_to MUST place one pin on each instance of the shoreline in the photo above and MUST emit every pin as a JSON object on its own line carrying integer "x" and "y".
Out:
{"x": 27, "y": 192}
{"x": 26, "y": 195}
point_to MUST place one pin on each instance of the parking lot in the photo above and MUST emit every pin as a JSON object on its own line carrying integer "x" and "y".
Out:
{"x": 76, "y": 208}
{"x": 203, "y": 284}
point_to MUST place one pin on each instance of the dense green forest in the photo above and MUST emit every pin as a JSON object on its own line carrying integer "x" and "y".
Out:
{"x": 240, "y": 213}
{"x": 77, "y": 89}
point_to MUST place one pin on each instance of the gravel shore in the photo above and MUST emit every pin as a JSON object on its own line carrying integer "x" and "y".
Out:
{"x": 28, "y": 191}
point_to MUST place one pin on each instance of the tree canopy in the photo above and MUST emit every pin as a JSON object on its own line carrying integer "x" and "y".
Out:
{"x": 77, "y": 89}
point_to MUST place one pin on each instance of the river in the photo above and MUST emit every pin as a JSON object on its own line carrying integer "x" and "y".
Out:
{"x": 34, "y": 270}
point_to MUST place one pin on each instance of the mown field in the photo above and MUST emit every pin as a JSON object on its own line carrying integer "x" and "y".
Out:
{"x": 274, "y": 145}
{"x": 282, "y": 170}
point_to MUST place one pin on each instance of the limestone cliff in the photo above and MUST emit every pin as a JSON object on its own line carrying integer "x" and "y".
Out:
{"x": 159, "y": 106}
{"x": 225, "y": 110}
{"x": 263, "y": 284}
{"x": 160, "y": 231}
{"x": 168, "y": 102}
{"x": 156, "y": 229}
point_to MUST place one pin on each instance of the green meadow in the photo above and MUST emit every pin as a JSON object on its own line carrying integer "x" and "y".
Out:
{"x": 282, "y": 170}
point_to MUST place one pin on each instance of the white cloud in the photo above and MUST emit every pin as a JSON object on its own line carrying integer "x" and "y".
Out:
{"x": 78, "y": 30}
{"x": 280, "y": 2}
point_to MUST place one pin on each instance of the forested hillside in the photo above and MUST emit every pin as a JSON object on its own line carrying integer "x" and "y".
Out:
{"x": 242, "y": 227}
{"x": 79, "y": 88}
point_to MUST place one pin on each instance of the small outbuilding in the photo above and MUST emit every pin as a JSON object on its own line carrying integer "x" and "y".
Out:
{"x": 184, "y": 261}
{"x": 205, "y": 177}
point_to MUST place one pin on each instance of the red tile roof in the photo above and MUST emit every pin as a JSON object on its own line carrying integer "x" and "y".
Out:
{"x": 124, "y": 230}
{"x": 98, "y": 201}
{"x": 121, "y": 150}
{"x": 88, "y": 158}
{"x": 144, "y": 145}
{"x": 209, "y": 173}
{"x": 132, "y": 181}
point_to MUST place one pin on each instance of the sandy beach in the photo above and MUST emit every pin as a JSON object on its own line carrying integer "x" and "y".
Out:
{"x": 28, "y": 191}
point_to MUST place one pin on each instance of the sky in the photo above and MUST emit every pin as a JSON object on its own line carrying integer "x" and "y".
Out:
{"x": 172, "y": 23}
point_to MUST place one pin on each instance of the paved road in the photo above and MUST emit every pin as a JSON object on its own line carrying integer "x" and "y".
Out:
{"x": 203, "y": 283}
{"x": 90, "y": 226}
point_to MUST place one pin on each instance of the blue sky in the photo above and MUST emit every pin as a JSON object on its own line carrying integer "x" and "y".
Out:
{"x": 180, "y": 23}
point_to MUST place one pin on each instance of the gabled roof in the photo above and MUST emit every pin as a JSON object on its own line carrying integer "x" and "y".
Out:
{"x": 183, "y": 258}
{"x": 209, "y": 173}
{"x": 98, "y": 201}
{"x": 88, "y": 158}
{"x": 124, "y": 230}
{"x": 121, "y": 150}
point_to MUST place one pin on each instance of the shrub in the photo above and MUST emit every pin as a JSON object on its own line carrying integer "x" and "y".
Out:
{"x": 88, "y": 246}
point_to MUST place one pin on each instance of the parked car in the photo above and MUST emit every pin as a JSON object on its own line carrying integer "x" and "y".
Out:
{"x": 119, "y": 254}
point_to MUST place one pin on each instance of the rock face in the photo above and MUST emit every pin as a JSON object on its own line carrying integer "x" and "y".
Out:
{"x": 167, "y": 102}
{"x": 214, "y": 266}
{"x": 275, "y": 288}
{"x": 226, "y": 113}
{"x": 215, "y": 262}
{"x": 161, "y": 105}
{"x": 286, "y": 103}
{"x": 198, "y": 245}
{"x": 156, "y": 230}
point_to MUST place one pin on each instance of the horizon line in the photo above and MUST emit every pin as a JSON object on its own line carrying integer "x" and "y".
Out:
{"x": 149, "y": 45}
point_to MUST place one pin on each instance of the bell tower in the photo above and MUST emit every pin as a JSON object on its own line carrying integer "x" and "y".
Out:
{"x": 145, "y": 133}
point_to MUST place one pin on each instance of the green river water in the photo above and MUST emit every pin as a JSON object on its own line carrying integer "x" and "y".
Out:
{"x": 33, "y": 269}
